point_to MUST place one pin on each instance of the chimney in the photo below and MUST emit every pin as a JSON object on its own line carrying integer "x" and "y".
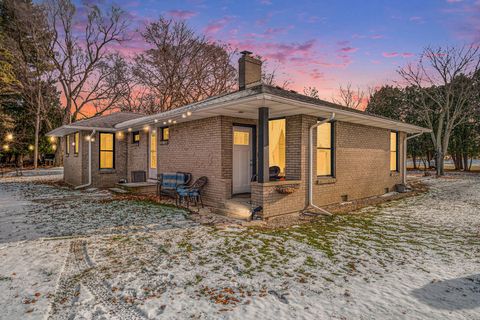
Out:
{"x": 249, "y": 71}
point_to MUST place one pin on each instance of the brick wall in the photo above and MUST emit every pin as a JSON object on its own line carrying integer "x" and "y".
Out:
{"x": 195, "y": 147}
{"x": 137, "y": 154}
{"x": 76, "y": 167}
{"x": 362, "y": 167}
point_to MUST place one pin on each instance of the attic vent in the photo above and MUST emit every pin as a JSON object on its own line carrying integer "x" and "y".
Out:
{"x": 387, "y": 190}
{"x": 344, "y": 197}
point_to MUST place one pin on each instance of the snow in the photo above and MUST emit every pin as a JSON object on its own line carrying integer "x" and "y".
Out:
{"x": 90, "y": 257}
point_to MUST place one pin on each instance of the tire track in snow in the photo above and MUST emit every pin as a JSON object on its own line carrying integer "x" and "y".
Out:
{"x": 79, "y": 270}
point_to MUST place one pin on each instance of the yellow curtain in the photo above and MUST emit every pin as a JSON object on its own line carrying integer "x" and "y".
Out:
{"x": 277, "y": 141}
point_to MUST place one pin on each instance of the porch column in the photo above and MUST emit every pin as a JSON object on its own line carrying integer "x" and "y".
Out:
{"x": 263, "y": 165}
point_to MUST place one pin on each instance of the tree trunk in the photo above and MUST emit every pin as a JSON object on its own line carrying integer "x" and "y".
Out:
{"x": 37, "y": 133}
{"x": 414, "y": 159}
{"x": 465, "y": 162}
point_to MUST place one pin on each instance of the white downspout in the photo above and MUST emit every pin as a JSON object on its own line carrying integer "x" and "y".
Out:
{"x": 310, "y": 163}
{"x": 89, "y": 162}
{"x": 404, "y": 179}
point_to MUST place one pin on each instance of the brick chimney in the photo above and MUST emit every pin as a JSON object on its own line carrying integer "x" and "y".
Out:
{"x": 249, "y": 71}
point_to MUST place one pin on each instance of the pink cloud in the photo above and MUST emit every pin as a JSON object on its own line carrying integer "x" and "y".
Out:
{"x": 377, "y": 36}
{"x": 215, "y": 26}
{"x": 395, "y": 54}
{"x": 182, "y": 14}
{"x": 416, "y": 19}
{"x": 454, "y": 1}
{"x": 348, "y": 49}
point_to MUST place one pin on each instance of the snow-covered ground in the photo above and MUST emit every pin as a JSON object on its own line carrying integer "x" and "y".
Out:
{"x": 77, "y": 255}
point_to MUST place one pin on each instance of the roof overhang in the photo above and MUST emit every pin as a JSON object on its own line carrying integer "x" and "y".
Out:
{"x": 68, "y": 129}
{"x": 242, "y": 105}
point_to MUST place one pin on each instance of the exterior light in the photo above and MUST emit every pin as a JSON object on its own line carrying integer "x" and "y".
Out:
{"x": 54, "y": 147}
{"x": 129, "y": 129}
{"x": 6, "y": 147}
{"x": 174, "y": 121}
{"x": 189, "y": 113}
{"x": 184, "y": 115}
{"x": 146, "y": 128}
{"x": 153, "y": 131}
{"x": 120, "y": 135}
{"x": 156, "y": 120}
{"x": 30, "y": 147}
{"x": 164, "y": 122}
{"x": 73, "y": 143}
{"x": 169, "y": 120}
{"x": 9, "y": 137}
{"x": 87, "y": 138}
{"x": 52, "y": 139}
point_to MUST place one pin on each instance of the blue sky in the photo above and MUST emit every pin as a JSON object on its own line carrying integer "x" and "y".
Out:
{"x": 323, "y": 43}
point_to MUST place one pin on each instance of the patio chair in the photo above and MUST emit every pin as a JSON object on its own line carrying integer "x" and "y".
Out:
{"x": 193, "y": 192}
{"x": 274, "y": 172}
{"x": 167, "y": 183}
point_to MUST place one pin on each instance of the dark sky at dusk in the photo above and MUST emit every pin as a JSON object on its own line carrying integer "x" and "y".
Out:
{"x": 321, "y": 43}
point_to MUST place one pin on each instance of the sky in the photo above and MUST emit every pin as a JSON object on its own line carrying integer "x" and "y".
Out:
{"x": 321, "y": 43}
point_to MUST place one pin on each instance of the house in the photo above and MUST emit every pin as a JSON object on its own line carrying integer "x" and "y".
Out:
{"x": 326, "y": 153}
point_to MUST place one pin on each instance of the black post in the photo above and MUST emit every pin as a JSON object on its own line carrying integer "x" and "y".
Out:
{"x": 263, "y": 165}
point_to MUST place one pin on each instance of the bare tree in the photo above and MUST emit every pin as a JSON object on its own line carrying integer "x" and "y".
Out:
{"x": 83, "y": 63}
{"x": 271, "y": 78}
{"x": 311, "y": 92}
{"x": 350, "y": 97}
{"x": 182, "y": 67}
{"x": 443, "y": 79}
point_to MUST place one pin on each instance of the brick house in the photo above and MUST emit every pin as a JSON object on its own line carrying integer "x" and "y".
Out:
{"x": 326, "y": 153}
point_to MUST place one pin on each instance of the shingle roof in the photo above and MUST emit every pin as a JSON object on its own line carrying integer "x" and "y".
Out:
{"x": 107, "y": 121}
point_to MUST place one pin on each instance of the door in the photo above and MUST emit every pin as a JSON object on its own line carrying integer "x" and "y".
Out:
{"x": 152, "y": 154}
{"x": 242, "y": 159}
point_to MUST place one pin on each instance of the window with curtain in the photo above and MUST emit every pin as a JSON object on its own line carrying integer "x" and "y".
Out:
{"x": 165, "y": 134}
{"x": 325, "y": 150}
{"x": 393, "y": 151}
{"x": 67, "y": 145}
{"x": 276, "y": 142}
{"x": 107, "y": 148}
{"x": 76, "y": 139}
{"x": 153, "y": 150}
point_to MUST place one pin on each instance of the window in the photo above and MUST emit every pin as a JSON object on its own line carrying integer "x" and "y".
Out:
{"x": 276, "y": 142}
{"x": 241, "y": 138}
{"x": 107, "y": 148}
{"x": 153, "y": 149}
{"x": 67, "y": 145}
{"x": 325, "y": 149}
{"x": 136, "y": 137}
{"x": 165, "y": 134}
{"x": 76, "y": 142}
{"x": 393, "y": 151}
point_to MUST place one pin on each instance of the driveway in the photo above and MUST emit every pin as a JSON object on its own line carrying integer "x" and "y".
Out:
{"x": 78, "y": 255}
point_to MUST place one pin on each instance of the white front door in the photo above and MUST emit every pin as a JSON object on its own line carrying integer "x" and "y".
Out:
{"x": 242, "y": 159}
{"x": 152, "y": 154}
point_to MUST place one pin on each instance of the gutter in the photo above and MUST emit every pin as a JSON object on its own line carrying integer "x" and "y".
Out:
{"x": 89, "y": 163}
{"x": 310, "y": 163}
{"x": 404, "y": 179}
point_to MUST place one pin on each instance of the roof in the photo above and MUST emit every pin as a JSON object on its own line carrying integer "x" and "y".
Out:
{"x": 103, "y": 122}
{"x": 244, "y": 104}
{"x": 241, "y": 104}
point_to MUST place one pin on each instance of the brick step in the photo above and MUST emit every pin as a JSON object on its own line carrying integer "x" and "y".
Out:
{"x": 138, "y": 187}
{"x": 238, "y": 209}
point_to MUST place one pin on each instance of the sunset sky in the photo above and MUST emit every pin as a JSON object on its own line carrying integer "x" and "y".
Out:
{"x": 321, "y": 43}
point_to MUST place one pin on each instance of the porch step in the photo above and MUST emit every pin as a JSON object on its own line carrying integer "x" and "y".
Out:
{"x": 236, "y": 208}
{"x": 138, "y": 187}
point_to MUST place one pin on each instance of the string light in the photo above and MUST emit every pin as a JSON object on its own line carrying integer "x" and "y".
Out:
{"x": 6, "y": 147}
{"x": 184, "y": 115}
{"x": 30, "y": 147}
{"x": 156, "y": 120}
{"x": 189, "y": 113}
{"x": 9, "y": 137}
{"x": 129, "y": 129}
{"x": 54, "y": 147}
